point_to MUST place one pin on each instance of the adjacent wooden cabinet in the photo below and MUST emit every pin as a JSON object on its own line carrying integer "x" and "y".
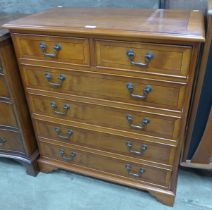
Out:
{"x": 109, "y": 90}
{"x": 198, "y": 146}
{"x": 17, "y": 138}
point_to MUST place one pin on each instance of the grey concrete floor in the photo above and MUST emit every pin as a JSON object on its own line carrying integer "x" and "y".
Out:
{"x": 62, "y": 190}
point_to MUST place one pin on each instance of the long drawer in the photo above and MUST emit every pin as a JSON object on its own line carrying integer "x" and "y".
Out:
{"x": 116, "y": 118}
{"x": 146, "y": 57}
{"x": 136, "y": 148}
{"x": 109, "y": 87}
{"x": 7, "y": 116}
{"x": 70, "y": 50}
{"x": 122, "y": 168}
{"x": 10, "y": 141}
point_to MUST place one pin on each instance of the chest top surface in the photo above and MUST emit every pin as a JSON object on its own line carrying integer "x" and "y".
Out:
{"x": 185, "y": 25}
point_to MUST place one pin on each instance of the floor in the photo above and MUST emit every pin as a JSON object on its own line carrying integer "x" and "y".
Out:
{"x": 62, "y": 190}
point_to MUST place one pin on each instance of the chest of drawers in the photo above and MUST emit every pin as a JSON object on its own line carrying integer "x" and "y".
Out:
{"x": 109, "y": 91}
{"x": 17, "y": 139}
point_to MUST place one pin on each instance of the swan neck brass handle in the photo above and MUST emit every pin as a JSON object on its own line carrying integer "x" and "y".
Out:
{"x": 65, "y": 137}
{"x": 141, "y": 151}
{"x": 134, "y": 174}
{"x": 141, "y": 126}
{"x": 71, "y": 157}
{"x": 61, "y": 79}
{"x": 146, "y": 91}
{"x": 56, "y": 49}
{"x": 54, "y": 107}
{"x": 2, "y": 141}
{"x": 147, "y": 58}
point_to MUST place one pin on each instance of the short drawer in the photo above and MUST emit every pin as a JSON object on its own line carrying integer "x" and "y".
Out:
{"x": 10, "y": 141}
{"x": 136, "y": 148}
{"x": 107, "y": 87}
{"x": 53, "y": 48}
{"x": 4, "y": 92}
{"x": 86, "y": 159}
{"x": 116, "y": 118}
{"x": 7, "y": 116}
{"x": 147, "y": 57}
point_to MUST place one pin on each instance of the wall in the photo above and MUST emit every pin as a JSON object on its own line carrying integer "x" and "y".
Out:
{"x": 32, "y": 6}
{"x": 187, "y": 4}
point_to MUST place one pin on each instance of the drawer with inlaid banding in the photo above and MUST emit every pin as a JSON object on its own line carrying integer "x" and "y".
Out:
{"x": 132, "y": 147}
{"x": 10, "y": 140}
{"x": 71, "y": 50}
{"x": 122, "y": 119}
{"x": 106, "y": 87}
{"x": 132, "y": 170}
{"x": 109, "y": 90}
{"x": 7, "y": 114}
{"x": 150, "y": 58}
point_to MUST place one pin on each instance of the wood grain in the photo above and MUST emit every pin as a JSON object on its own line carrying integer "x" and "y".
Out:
{"x": 172, "y": 24}
{"x": 12, "y": 141}
{"x": 16, "y": 133}
{"x": 167, "y": 59}
{"x": 156, "y": 152}
{"x": 98, "y": 95}
{"x": 203, "y": 153}
{"x": 73, "y": 50}
{"x": 106, "y": 87}
{"x": 198, "y": 86}
{"x": 161, "y": 126}
{"x": 102, "y": 163}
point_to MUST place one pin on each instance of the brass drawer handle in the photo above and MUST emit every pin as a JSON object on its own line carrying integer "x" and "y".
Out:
{"x": 146, "y": 91}
{"x": 2, "y": 141}
{"x": 147, "y": 58}
{"x": 61, "y": 78}
{"x": 71, "y": 157}
{"x": 131, "y": 173}
{"x": 56, "y": 49}
{"x": 67, "y": 136}
{"x": 54, "y": 107}
{"x": 143, "y": 148}
{"x": 141, "y": 126}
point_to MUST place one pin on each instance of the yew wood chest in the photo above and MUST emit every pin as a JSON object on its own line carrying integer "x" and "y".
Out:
{"x": 109, "y": 90}
{"x": 17, "y": 139}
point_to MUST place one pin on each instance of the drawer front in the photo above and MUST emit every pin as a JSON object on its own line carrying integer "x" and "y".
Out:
{"x": 120, "y": 119}
{"x": 113, "y": 88}
{"x": 137, "y": 172}
{"x": 7, "y": 116}
{"x": 10, "y": 141}
{"x": 150, "y": 58}
{"x": 53, "y": 48}
{"x": 140, "y": 149}
{"x": 4, "y": 92}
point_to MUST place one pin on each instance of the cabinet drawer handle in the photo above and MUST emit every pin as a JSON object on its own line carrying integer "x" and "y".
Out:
{"x": 2, "y": 141}
{"x": 131, "y": 173}
{"x": 61, "y": 78}
{"x": 141, "y": 126}
{"x": 54, "y": 107}
{"x": 71, "y": 157}
{"x": 143, "y": 148}
{"x": 146, "y": 91}
{"x": 56, "y": 49}
{"x": 68, "y": 135}
{"x": 147, "y": 58}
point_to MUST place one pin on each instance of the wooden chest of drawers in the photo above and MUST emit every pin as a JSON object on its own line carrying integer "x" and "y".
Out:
{"x": 17, "y": 138}
{"x": 109, "y": 90}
